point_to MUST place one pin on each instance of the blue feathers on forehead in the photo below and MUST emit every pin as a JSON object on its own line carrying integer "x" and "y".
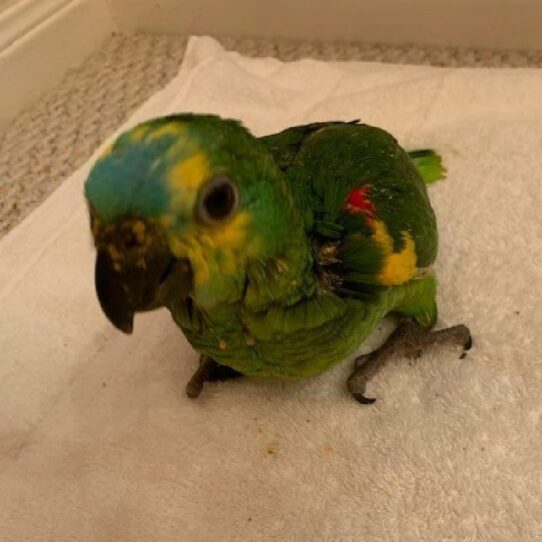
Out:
{"x": 130, "y": 180}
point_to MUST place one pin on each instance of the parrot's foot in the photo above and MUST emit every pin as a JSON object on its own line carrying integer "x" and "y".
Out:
{"x": 408, "y": 339}
{"x": 208, "y": 371}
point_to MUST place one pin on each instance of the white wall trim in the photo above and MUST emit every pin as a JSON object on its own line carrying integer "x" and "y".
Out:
{"x": 40, "y": 40}
{"x": 494, "y": 24}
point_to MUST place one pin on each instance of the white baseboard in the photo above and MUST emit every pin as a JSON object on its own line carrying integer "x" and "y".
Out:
{"x": 39, "y": 41}
{"x": 492, "y": 24}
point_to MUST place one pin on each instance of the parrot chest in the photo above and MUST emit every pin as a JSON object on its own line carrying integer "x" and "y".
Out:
{"x": 291, "y": 354}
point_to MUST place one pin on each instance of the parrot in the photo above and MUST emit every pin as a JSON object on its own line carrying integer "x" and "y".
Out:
{"x": 277, "y": 255}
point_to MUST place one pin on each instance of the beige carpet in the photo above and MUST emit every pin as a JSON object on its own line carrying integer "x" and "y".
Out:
{"x": 50, "y": 140}
{"x": 99, "y": 443}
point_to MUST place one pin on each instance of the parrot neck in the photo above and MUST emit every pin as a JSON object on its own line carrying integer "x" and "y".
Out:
{"x": 286, "y": 275}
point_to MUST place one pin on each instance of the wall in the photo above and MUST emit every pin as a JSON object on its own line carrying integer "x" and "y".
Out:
{"x": 40, "y": 40}
{"x": 481, "y": 23}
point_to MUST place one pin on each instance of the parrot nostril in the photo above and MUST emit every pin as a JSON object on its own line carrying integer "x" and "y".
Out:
{"x": 130, "y": 240}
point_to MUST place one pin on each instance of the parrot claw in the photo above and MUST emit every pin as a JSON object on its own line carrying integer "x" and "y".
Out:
{"x": 358, "y": 379}
{"x": 409, "y": 338}
{"x": 193, "y": 389}
{"x": 467, "y": 344}
{"x": 360, "y": 398}
{"x": 208, "y": 371}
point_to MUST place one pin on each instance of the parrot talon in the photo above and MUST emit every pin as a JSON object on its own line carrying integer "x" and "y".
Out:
{"x": 467, "y": 343}
{"x": 358, "y": 379}
{"x": 360, "y": 398}
{"x": 409, "y": 338}
{"x": 208, "y": 371}
{"x": 193, "y": 389}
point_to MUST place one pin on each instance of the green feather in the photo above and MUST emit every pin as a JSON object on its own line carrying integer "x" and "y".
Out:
{"x": 429, "y": 165}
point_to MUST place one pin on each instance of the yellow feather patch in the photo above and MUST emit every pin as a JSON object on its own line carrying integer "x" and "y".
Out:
{"x": 188, "y": 247}
{"x": 190, "y": 173}
{"x": 170, "y": 129}
{"x": 166, "y": 220}
{"x": 107, "y": 151}
{"x": 399, "y": 267}
{"x": 139, "y": 132}
{"x": 230, "y": 239}
{"x": 232, "y": 234}
{"x": 215, "y": 249}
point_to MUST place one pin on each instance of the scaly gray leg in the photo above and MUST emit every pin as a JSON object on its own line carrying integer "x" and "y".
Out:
{"x": 208, "y": 371}
{"x": 410, "y": 339}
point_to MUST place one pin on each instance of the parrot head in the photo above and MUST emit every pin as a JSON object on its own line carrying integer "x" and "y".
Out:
{"x": 179, "y": 206}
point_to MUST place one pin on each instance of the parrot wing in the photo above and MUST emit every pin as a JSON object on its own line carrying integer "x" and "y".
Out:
{"x": 364, "y": 201}
{"x": 285, "y": 145}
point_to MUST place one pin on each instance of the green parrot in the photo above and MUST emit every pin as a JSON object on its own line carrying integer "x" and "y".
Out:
{"x": 276, "y": 256}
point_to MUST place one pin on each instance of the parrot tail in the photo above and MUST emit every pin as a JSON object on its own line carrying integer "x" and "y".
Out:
{"x": 429, "y": 165}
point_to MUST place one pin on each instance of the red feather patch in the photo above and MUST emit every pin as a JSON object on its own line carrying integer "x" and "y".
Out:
{"x": 359, "y": 202}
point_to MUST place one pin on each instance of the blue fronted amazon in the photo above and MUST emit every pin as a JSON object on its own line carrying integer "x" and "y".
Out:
{"x": 276, "y": 256}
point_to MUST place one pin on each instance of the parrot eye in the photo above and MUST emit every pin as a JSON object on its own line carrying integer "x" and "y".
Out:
{"x": 218, "y": 201}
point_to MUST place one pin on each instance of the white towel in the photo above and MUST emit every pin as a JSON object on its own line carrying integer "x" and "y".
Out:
{"x": 98, "y": 441}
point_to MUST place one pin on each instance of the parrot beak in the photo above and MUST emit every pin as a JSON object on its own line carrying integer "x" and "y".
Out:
{"x": 138, "y": 284}
{"x": 113, "y": 294}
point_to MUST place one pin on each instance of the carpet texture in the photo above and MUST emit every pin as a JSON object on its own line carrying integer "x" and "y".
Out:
{"x": 98, "y": 441}
{"x": 47, "y": 142}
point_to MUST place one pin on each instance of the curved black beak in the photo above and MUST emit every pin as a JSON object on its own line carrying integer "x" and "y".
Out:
{"x": 138, "y": 285}
{"x": 113, "y": 293}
